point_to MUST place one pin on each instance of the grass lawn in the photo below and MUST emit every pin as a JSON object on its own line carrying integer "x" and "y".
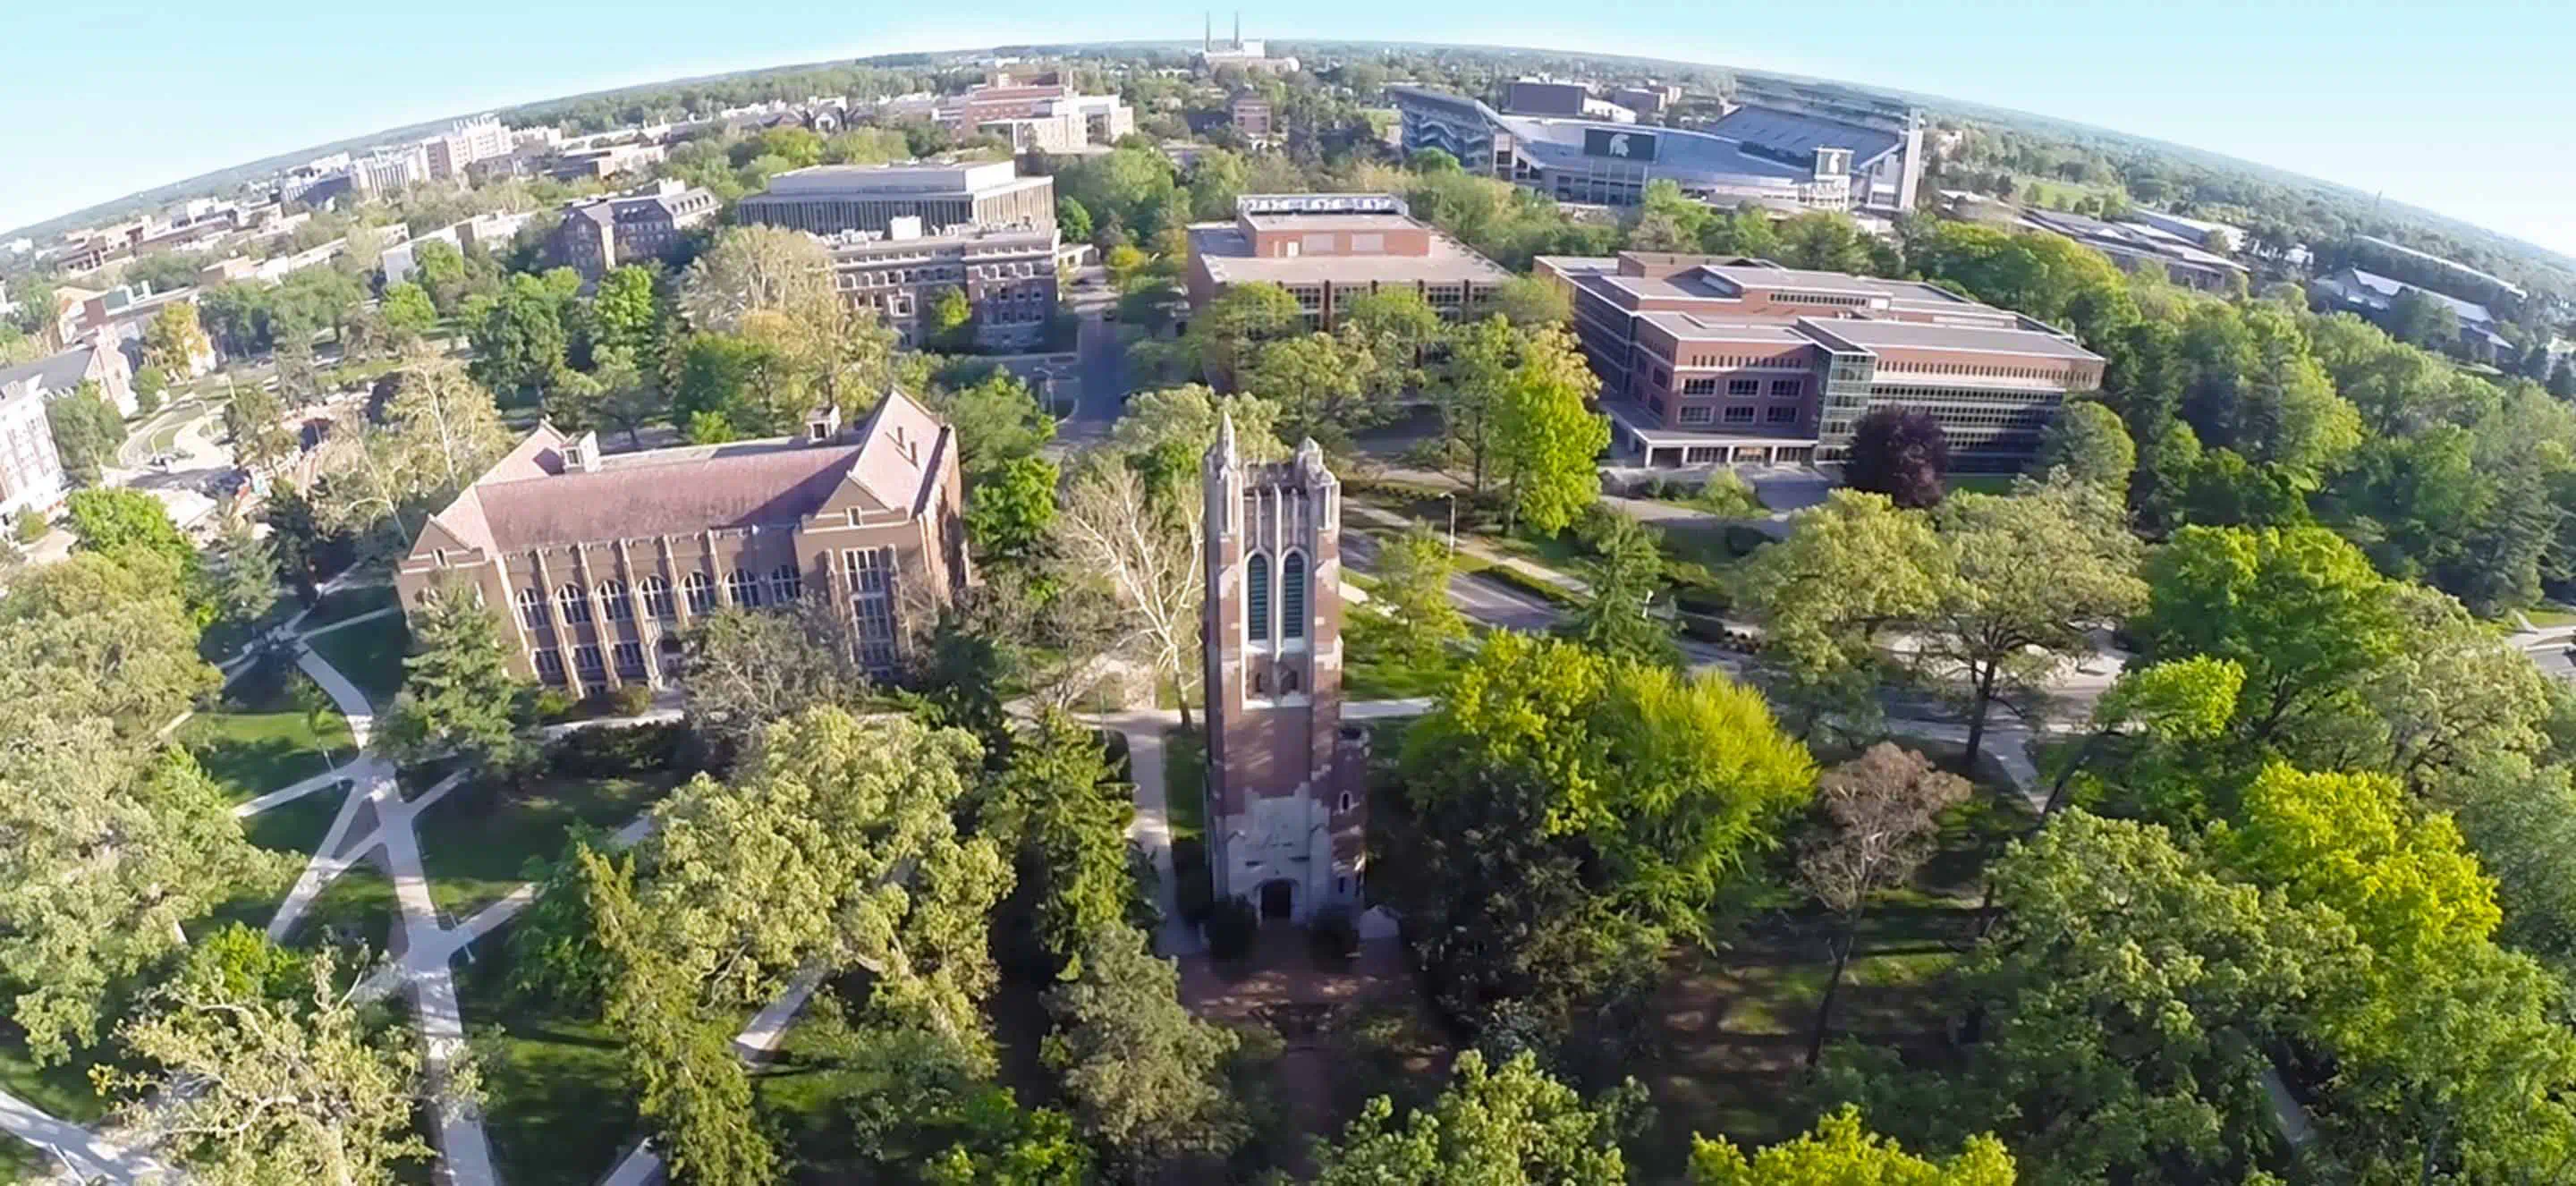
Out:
{"x": 358, "y": 906}
{"x": 2548, "y": 616}
{"x": 61, "y": 1090}
{"x": 1185, "y": 782}
{"x": 298, "y": 825}
{"x": 476, "y": 845}
{"x": 1370, "y": 669}
{"x": 370, "y": 654}
{"x": 257, "y": 740}
{"x": 555, "y": 1100}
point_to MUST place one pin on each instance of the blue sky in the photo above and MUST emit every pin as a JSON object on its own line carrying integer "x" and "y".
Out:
{"x": 2464, "y": 108}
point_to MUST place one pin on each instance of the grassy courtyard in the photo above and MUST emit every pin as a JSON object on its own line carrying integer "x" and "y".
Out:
{"x": 297, "y": 825}
{"x": 370, "y": 654}
{"x": 259, "y": 738}
{"x": 556, "y": 1103}
{"x": 342, "y": 604}
{"x": 477, "y": 844}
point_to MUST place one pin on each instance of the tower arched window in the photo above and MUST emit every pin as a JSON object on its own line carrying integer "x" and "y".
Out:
{"x": 700, "y": 591}
{"x": 657, "y": 596}
{"x": 613, "y": 605}
{"x": 532, "y": 609}
{"x": 743, "y": 588}
{"x": 1256, "y": 602}
{"x": 574, "y": 604}
{"x": 1292, "y": 595}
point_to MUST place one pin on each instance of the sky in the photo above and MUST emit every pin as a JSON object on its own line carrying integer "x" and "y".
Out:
{"x": 2463, "y": 108}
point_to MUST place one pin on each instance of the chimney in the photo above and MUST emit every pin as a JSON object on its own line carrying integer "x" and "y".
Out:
{"x": 582, "y": 455}
{"x": 1238, "y": 28}
{"x": 1207, "y": 32}
{"x": 822, "y": 426}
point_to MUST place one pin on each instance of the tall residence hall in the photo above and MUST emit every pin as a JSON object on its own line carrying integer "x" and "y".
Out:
{"x": 1709, "y": 359}
{"x": 599, "y": 562}
{"x": 1008, "y": 274}
{"x": 1786, "y": 146}
{"x": 1327, "y": 248}
{"x": 831, "y": 199}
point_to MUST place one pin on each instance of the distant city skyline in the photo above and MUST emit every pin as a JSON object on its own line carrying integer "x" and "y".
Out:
{"x": 2449, "y": 107}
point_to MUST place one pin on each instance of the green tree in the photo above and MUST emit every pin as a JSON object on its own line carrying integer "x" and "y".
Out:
{"x": 151, "y": 383}
{"x": 1056, "y": 804}
{"x": 1529, "y": 301}
{"x": 1321, "y": 387}
{"x": 998, "y": 421}
{"x": 1618, "y": 616}
{"x": 2088, "y": 441}
{"x": 242, "y": 1087}
{"x": 102, "y": 638}
{"x": 1842, "y": 1150}
{"x": 1413, "y": 573}
{"x": 1515, "y": 1126}
{"x": 458, "y": 695}
{"x": 86, "y": 434}
{"x": 1884, "y": 806}
{"x": 1223, "y": 338}
{"x": 626, "y": 315}
{"x": 951, "y": 320}
{"x": 174, "y": 341}
{"x": 519, "y": 345}
{"x": 241, "y": 574}
{"x": 1146, "y": 1079}
{"x": 2422, "y": 319}
{"x": 257, "y": 426}
{"x": 1825, "y": 595}
{"x": 748, "y": 669}
{"x": 2024, "y": 581}
{"x": 1546, "y": 436}
{"x": 117, "y": 523}
{"x": 1011, "y": 509}
{"x": 407, "y": 313}
{"x": 1073, "y": 219}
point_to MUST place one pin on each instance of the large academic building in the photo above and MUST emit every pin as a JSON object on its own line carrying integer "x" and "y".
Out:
{"x": 1707, "y": 360}
{"x": 1327, "y": 248}
{"x": 599, "y": 562}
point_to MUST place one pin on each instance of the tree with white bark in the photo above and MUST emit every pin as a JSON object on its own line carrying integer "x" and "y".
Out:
{"x": 1148, "y": 553}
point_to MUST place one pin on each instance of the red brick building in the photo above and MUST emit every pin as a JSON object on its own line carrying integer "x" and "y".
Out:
{"x": 1708, "y": 360}
{"x": 1326, "y": 248}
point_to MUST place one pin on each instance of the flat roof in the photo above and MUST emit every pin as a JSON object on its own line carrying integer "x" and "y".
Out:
{"x": 821, "y": 181}
{"x": 1227, "y": 254}
{"x": 1697, "y": 328}
{"x": 1872, "y": 334}
{"x": 1332, "y": 222}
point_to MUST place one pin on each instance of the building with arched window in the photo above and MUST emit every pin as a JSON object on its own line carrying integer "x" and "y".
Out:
{"x": 871, "y": 517}
{"x": 1287, "y": 783}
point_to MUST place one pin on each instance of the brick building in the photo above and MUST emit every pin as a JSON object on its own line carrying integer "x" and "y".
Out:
{"x": 1287, "y": 783}
{"x": 1706, "y": 360}
{"x": 831, "y": 199}
{"x": 1251, "y": 115}
{"x": 598, "y": 563}
{"x": 597, "y": 234}
{"x": 1326, "y": 248}
{"x": 1007, "y": 273}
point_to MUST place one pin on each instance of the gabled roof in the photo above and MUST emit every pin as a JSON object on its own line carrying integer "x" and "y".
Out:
{"x": 55, "y": 375}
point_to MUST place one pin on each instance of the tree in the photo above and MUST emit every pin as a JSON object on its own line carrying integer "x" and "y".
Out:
{"x": 150, "y": 384}
{"x": 2420, "y": 318}
{"x": 1618, "y": 617}
{"x": 1223, "y": 337}
{"x": 242, "y": 574}
{"x": 1164, "y": 434}
{"x": 110, "y": 851}
{"x": 951, "y": 320}
{"x": 1529, "y": 301}
{"x": 2562, "y": 378}
{"x": 1842, "y": 1150}
{"x": 407, "y": 313}
{"x": 998, "y": 421}
{"x": 1902, "y": 453}
{"x": 760, "y": 268}
{"x": 748, "y": 669}
{"x": 103, "y": 639}
{"x": 1848, "y": 571}
{"x": 520, "y": 344}
{"x": 2088, "y": 441}
{"x": 458, "y": 695}
{"x": 1011, "y": 509}
{"x": 242, "y": 1087}
{"x": 1145, "y": 1078}
{"x": 1885, "y": 807}
{"x": 2027, "y": 579}
{"x": 257, "y": 425}
{"x": 625, "y": 315}
{"x": 1413, "y": 573}
{"x": 1073, "y": 219}
{"x": 1322, "y": 389}
{"x": 117, "y": 523}
{"x": 1515, "y": 1125}
{"x": 174, "y": 341}
{"x": 1431, "y": 160}
{"x": 86, "y": 434}
{"x": 1056, "y": 804}
{"x": 1147, "y": 552}
{"x": 1546, "y": 436}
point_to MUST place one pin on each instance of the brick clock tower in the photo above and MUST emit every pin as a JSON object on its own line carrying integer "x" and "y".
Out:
{"x": 1287, "y": 784}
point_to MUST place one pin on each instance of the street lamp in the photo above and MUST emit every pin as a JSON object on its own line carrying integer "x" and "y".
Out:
{"x": 1452, "y": 499}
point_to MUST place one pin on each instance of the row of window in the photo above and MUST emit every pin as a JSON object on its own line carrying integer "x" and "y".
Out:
{"x": 587, "y": 661}
{"x": 2050, "y": 374}
{"x": 1780, "y": 388}
{"x": 1817, "y": 298}
{"x": 1739, "y": 414}
{"x": 744, "y": 588}
{"x": 1291, "y": 624}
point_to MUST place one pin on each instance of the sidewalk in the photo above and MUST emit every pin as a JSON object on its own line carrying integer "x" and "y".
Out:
{"x": 1469, "y": 545}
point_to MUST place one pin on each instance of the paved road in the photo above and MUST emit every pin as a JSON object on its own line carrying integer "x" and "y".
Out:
{"x": 1487, "y": 602}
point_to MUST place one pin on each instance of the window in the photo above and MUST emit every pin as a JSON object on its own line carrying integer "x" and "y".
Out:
{"x": 1699, "y": 387}
{"x": 700, "y": 591}
{"x": 1261, "y": 683}
{"x": 742, "y": 588}
{"x": 786, "y": 584}
{"x": 630, "y": 659}
{"x": 574, "y": 604}
{"x": 1739, "y": 414}
{"x": 1287, "y": 681}
{"x": 1743, "y": 386}
{"x": 613, "y": 605}
{"x": 585, "y": 659}
{"x": 1343, "y": 803}
{"x": 1696, "y": 414}
{"x": 1784, "y": 388}
{"x": 1780, "y": 414}
{"x": 532, "y": 609}
{"x": 871, "y": 577}
{"x": 657, "y": 596}
{"x": 1292, "y": 597}
{"x": 1256, "y": 616}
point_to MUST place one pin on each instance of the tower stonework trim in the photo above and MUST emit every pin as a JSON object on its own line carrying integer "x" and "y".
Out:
{"x": 1287, "y": 784}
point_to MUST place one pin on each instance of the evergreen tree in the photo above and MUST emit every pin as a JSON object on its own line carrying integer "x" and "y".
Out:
{"x": 458, "y": 694}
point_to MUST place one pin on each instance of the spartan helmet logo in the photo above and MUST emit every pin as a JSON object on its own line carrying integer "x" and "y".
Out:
{"x": 1619, "y": 145}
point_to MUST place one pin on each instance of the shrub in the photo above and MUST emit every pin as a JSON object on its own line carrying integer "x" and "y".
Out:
{"x": 607, "y": 753}
{"x": 628, "y": 700}
{"x": 554, "y": 705}
{"x": 1727, "y": 494}
{"x": 32, "y": 527}
{"x": 1231, "y": 926}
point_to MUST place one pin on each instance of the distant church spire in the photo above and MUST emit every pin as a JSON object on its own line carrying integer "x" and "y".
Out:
{"x": 1238, "y": 28}
{"x": 1207, "y": 32}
